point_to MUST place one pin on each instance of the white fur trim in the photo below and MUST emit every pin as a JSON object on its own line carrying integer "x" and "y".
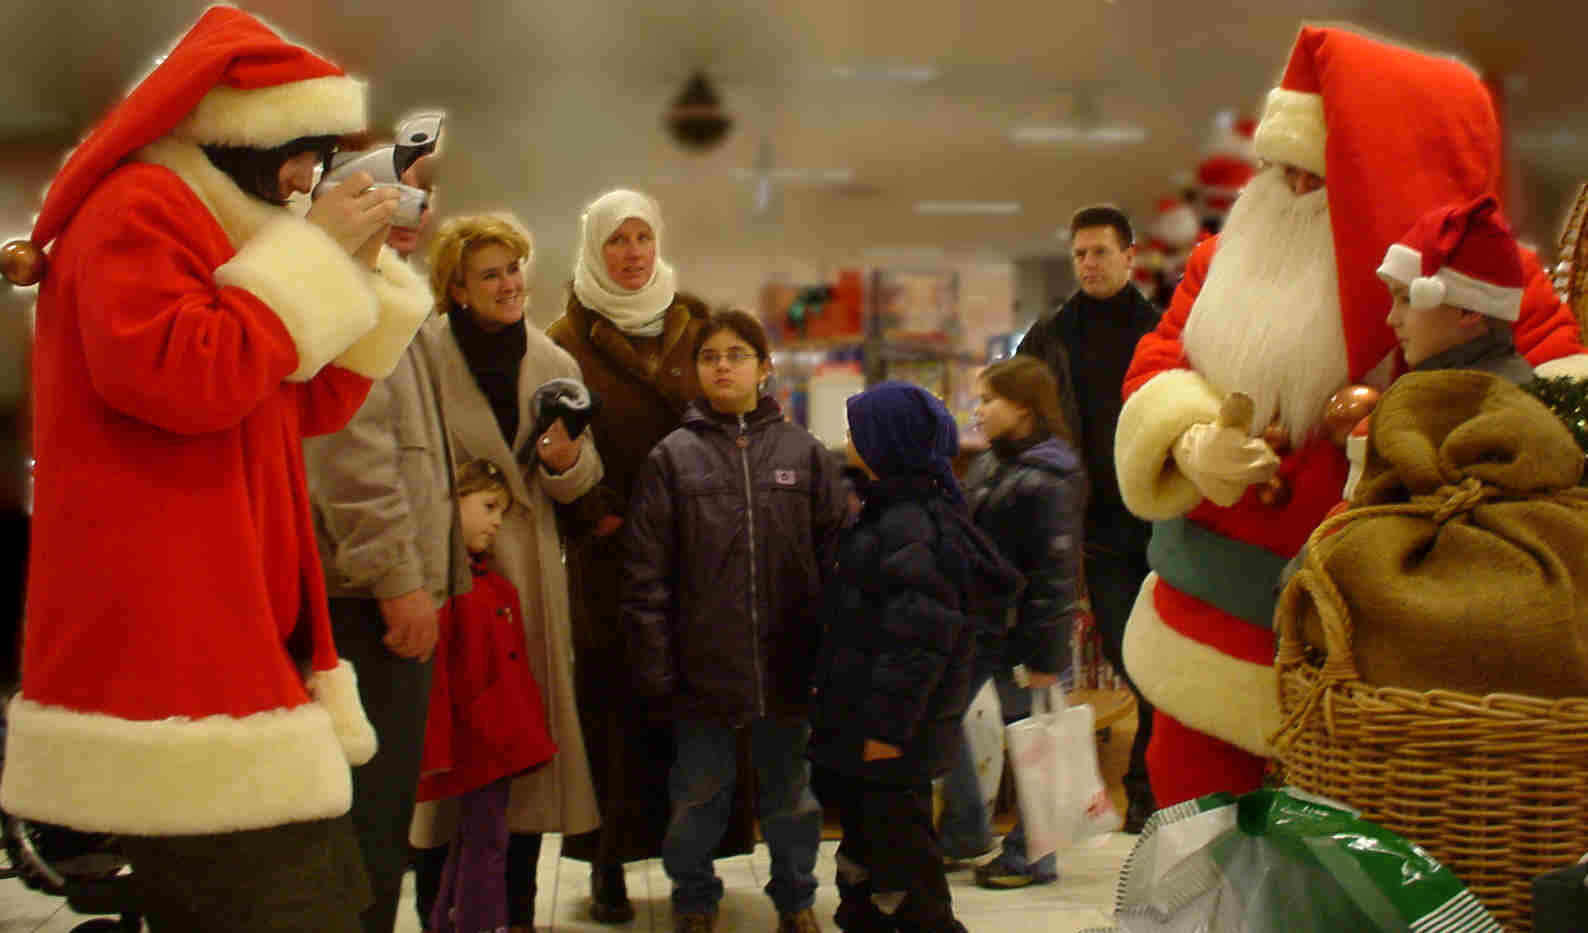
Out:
{"x": 1401, "y": 264}
{"x": 174, "y": 776}
{"x": 240, "y": 214}
{"x": 1575, "y": 366}
{"x": 321, "y": 295}
{"x": 1153, "y": 418}
{"x": 1293, "y": 130}
{"x": 337, "y": 691}
{"x": 1426, "y": 291}
{"x": 1486, "y": 298}
{"x": 267, "y": 117}
{"x": 1206, "y": 689}
{"x": 404, "y": 304}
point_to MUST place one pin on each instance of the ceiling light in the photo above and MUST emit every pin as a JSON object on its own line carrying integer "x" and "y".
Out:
{"x": 901, "y": 74}
{"x": 1102, "y": 135}
{"x": 968, "y": 207}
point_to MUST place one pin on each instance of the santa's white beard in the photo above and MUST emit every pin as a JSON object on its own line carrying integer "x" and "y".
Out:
{"x": 1267, "y": 321}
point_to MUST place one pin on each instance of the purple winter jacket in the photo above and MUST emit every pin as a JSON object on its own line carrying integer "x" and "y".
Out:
{"x": 730, "y": 525}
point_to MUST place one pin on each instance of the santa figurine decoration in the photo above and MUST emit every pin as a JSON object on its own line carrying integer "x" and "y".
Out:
{"x": 1228, "y": 164}
{"x": 1286, "y": 308}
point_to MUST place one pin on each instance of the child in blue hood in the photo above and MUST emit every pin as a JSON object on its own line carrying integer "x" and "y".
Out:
{"x": 894, "y": 677}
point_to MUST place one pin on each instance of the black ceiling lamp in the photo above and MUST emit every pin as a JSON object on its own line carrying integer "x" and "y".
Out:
{"x": 697, "y": 119}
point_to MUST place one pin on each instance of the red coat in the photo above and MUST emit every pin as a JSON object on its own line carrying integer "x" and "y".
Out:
{"x": 179, "y": 674}
{"x": 487, "y": 720}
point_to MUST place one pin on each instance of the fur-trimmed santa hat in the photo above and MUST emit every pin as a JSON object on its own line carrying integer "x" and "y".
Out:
{"x": 1462, "y": 255}
{"x": 1395, "y": 133}
{"x": 1229, "y": 163}
{"x": 230, "y": 81}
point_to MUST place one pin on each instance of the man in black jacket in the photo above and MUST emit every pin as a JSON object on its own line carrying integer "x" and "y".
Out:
{"x": 1088, "y": 342}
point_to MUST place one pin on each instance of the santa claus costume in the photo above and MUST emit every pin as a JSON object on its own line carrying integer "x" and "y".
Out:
{"x": 179, "y": 677}
{"x": 1393, "y": 133}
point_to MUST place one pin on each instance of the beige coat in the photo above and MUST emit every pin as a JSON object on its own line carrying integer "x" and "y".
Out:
{"x": 528, "y": 551}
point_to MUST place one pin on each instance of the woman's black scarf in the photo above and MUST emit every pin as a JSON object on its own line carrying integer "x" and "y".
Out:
{"x": 494, "y": 358}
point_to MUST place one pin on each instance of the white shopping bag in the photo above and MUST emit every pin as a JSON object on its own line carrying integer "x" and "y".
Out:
{"x": 984, "y": 733}
{"x": 1057, "y": 779}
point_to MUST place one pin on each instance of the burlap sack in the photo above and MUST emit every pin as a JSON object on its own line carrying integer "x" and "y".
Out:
{"x": 1462, "y": 562}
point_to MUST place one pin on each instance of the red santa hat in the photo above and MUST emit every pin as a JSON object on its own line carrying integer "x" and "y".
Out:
{"x": 1230, "y": 162}
{"x": 230, "y": 81}
{"x": 1401, "y": 132}
{"x": 1462, "y": 255}
{"x": 1174, "y": 224}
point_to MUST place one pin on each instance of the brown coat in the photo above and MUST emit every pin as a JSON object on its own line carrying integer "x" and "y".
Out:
{"x": 644, "y": 385}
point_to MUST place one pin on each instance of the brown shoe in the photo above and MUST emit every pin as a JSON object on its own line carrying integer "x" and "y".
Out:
{"x": 800, "y": 921}
{"x": 695, "y": 923}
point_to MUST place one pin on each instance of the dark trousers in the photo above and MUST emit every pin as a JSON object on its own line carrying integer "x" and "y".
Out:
{"x": 282, "y": 879}
{"x": 395, "y": 692}
{"x": 889, "y": 845}
{"x": 1114, "y": 571}
{"x": 523, "y": 859}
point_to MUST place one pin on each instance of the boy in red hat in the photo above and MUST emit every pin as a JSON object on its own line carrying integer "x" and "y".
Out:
{"x": 1455, "y": 280}
{"x": 180, "y": 686}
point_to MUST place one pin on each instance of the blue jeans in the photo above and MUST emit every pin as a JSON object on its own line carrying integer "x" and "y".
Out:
{"x": 700, "y": 785}
{"x": 966, "y": 824}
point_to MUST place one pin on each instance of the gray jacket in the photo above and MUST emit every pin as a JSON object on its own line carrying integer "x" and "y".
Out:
{"x": 381, "y": 489}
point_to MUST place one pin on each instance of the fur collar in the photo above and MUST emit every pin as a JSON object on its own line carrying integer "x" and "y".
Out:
{"x": 239, "y": 213}
{"x": 619, "y": 348}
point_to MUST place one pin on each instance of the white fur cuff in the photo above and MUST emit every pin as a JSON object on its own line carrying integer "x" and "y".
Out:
{"x": 172, "y": 776}
{"x": 311, "y": 283}
{"x": 1574, "y": 366}
{"x": 1152, "y": 420}
{"x": 1206, "y": 689}
{"x": 1293, "y": 130}
{"x": 337, "y": 691}
{"x": 405, "y": 303}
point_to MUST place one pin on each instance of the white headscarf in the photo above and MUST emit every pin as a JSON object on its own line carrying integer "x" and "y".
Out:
{"x": 641, "y": 312}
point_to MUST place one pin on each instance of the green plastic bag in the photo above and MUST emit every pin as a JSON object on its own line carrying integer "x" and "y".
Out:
{"x": 1284, "y": 860}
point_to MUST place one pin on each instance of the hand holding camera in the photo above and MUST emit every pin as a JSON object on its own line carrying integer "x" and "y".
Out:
{"x": 386, "y": 167}
{"x": 354, "y": 213}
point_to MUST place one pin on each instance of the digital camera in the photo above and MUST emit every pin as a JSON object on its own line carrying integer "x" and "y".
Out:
{"x": 416, "y": 136}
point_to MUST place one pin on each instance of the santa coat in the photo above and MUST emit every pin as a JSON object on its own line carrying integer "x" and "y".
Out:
{"x": 175, "y": 600}
{"x": 486, "y": 719}
{"x": 528, "y": 552}
{"x": 1207, "y": 667}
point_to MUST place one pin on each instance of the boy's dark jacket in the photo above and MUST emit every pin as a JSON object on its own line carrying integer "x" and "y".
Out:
{"x": 911, "y": 576}
{"x": 698, "y": 648}
{"x": 1030, "y": 499}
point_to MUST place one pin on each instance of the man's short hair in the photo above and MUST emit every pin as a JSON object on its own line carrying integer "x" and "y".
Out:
{"x": 1103, "y": 215}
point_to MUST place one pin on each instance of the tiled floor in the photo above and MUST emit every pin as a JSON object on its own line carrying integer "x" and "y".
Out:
{"x": 1082, "y": 898}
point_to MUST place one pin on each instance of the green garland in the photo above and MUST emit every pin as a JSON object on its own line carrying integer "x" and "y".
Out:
{"x": 1568, "y": 399}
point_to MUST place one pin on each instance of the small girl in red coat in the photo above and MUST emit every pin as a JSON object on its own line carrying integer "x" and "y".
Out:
{"x": 487, "y": 723}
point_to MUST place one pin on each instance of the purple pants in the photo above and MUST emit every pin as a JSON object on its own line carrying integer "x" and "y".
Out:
{"x": 473, "y": 895}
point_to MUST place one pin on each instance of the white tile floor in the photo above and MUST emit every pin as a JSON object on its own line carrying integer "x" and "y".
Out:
{"x": 1082, "y": 898}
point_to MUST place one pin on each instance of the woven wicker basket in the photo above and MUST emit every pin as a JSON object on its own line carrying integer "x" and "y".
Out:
{"x": 1571, "y": 267}
{"x": 1495, "y": 787}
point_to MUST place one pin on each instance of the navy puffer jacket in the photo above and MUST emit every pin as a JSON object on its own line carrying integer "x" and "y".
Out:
{"x": 898, "y": 644}
{"x": 1030, "y": 499}
{"x": 730, "y": 523}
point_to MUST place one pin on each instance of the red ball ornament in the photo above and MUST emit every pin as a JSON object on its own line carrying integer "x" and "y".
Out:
{"x": 22, "y": 262}
{"x": 1346, "y": 408}
{"x": 1277, "y": 438}
{"x": 1275, "y": 493}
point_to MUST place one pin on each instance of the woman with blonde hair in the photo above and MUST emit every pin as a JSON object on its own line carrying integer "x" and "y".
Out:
{"x": 386, "y": 502}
